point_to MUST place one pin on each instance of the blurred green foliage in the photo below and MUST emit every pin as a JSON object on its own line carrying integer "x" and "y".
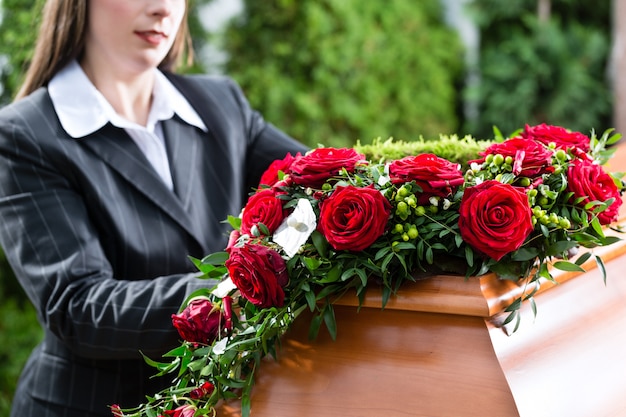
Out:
{"x": 536, "y": 70}
{"x": 334, "y": 71}
{"x": 20, "y": 21}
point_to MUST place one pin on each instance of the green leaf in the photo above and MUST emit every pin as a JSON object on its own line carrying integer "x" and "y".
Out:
{"x": 514, "y": 306}
{"x": 179, "y": 351}
{"x": 438, "y": 246}
{"x": 386, "y": 295}
{"x": 560, "y": 247}
{"x": 429, "y": 255}
{"x": 583, "y": 258}
{"x": 264, "y": 230}
{"x": 385, "y": 263}
{"x": 346, "y": 275}
{"x": 568, "y": 266}
{"x": 601, "y": 267}
{"x": 469, "y": 256}
{"x": 533, "y": 306}
{"x": 216, "y": 258}
{"x": 404, "y": 246}
{"x": 320, "y": 243}
{"x": 333, "y": 275}
{"x": 597, "y": 227}
{"x": 163, "y": 367}
{"x": 525, "y": 254}
{"x": 235, "y": 222}
{"x": 382, "y": 252}
{"x": 609, "y": 240}
{"x": 245, "y": 395}
{"x": 544, "y": 272}
{"x": 311, "y": 263}
{"x": 314, "y": 327}
{"x": 310, "y": 299}
{"x": 196, "y": 365}
{"x": 329, "y": 320}
{"x": 613, "y": 139}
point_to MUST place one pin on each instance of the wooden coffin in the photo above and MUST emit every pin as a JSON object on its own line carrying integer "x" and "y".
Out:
{"x": 438, "y": 349}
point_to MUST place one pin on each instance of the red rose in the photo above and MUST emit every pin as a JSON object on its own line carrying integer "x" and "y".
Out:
{"x": 259, "y": 273}
{"x": 233, "y": 237}
{"x": 262, "y": 207}
{"x": 588, "y": 180}
{"x": 319, "y": 165}
{"x": 531, "y": 158}
{"x": 495, "y": 218}
{"x": 270, "y": 176}
{"x": 200, "y": 322}
{"x": 435, "y": 176}
{"x": 202, "y": 391}
{"x": 562, "y": 138}
{"x": 352, "y": 218}
{"x": 182, "y": 411}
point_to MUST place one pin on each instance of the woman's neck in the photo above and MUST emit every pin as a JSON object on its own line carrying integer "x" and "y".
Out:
{"x": 129, "y": 95}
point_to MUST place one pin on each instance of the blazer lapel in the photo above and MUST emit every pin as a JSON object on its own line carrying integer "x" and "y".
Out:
{"x": 123, "y": 156}
{"x": 182, "y": 151}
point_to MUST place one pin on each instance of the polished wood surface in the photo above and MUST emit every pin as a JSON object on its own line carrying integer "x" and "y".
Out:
{"x": 390, "y": 363}
{"x": 438, "y": 349}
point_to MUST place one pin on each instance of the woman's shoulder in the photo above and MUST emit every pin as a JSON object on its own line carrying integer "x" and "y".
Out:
{"x": 35, "y": 105}
{"x": 205, "y": 80}
{"x": 218, "y": 87}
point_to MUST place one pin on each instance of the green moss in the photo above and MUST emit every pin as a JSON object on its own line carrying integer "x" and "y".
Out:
{"x": 451, "y": 147}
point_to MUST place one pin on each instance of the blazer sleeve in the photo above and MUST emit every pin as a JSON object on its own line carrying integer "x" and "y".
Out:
{"x": 265, "y": 143}
{"x": 51, "y": 239}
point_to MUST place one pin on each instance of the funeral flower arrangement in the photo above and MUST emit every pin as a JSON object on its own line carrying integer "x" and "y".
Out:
{"x": 333, "y": 221}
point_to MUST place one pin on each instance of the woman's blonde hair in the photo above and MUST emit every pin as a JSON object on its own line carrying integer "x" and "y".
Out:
{"x": 62, "y": 38}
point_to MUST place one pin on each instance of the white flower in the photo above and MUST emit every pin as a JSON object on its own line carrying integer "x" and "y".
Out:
{"x": 224, "y": 288}
{"x": 219, "y": 347}
{"x": 294, "y": 231}
{"x": 384, "y": 179}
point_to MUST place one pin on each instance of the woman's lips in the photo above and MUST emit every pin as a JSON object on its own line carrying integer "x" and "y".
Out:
{"x": 152, "y": 37}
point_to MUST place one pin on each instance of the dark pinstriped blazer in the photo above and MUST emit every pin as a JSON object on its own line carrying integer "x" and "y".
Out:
{"x": 101, "y": 245}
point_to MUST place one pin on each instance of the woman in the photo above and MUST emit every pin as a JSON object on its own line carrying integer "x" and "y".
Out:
{"x": 113, "y": 173}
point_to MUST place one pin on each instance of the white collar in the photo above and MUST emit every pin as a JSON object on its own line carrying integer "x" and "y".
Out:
{"x": 82, "y": 109}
